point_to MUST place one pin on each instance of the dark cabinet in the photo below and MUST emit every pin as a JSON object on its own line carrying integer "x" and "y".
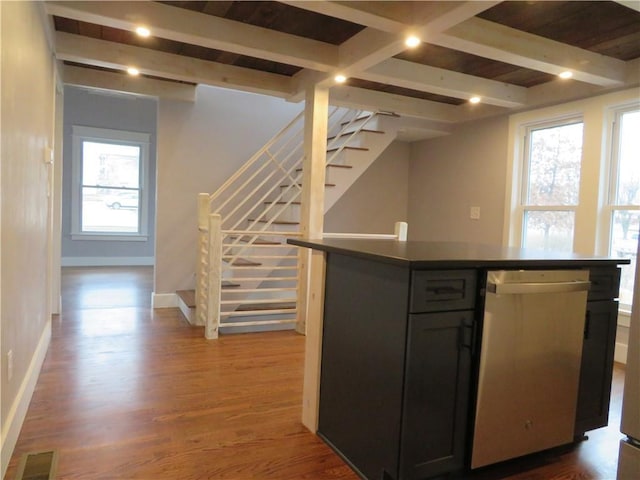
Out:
{"x": 596, "y": 369}
{"x": 362, "y": 371}
{"x": 398, "y": 363}
{"x": 436, "y": 394}
{"x": 394, "y": 386}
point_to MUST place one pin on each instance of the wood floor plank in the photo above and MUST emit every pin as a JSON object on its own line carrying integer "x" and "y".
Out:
{"x": 131, "y": 393}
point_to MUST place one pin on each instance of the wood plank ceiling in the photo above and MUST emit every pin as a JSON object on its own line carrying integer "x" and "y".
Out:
{"x": 508, "y": 53}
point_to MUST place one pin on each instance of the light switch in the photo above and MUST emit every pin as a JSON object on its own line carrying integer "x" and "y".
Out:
{"x": 474, "y": 213}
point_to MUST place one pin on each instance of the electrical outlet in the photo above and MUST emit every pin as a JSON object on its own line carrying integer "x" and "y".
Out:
{"x": 474, "y": 214}
{"x": 9, "y": 365}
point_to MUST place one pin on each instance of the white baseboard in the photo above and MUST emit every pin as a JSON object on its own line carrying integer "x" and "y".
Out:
{"x": 620, "y": 354}
{"x": 18, "y": 410}
{"x": 164, "y": 300}
{"x": 106, "y": 261}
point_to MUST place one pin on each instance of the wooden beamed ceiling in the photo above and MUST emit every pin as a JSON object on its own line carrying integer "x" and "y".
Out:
{"x": 507, "y": 53}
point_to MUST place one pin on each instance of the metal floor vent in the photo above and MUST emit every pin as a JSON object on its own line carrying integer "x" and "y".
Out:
{"x": 38, "y": 466}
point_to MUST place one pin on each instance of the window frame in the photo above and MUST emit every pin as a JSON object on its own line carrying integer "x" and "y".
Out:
{"x": 81, "y": 134}
{"x": 523, "y": 168}
{"x": 593, "y": 226}
{"x": 610, "y": 205}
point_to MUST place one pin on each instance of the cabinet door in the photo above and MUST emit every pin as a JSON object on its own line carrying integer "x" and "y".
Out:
{"x": 436, "y": 394}
{"x": 363, "y": 357}
{"x": 597, "y": 366}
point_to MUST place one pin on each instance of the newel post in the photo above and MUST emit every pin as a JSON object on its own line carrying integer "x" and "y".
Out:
{"x": 214, "y": 281}
{"x": 400, "y": 231}
{"x": 201, "y": 260}
{"x": 311, "y": 263}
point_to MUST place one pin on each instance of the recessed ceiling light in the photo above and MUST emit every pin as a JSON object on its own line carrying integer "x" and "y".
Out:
{"x": 475, "y": 99}
{"x": 566, "y": 74}
{"x": 133, "y": 71}
{"x": 143, "y": 31}
{"x": 412, "y": 41}
{"x": 340, "y": 78}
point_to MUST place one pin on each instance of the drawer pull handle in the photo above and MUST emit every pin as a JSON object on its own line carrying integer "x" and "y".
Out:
{"x": 445, "y": 290}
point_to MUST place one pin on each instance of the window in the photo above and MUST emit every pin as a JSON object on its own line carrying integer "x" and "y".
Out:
{"x": 551, "y": 184}
{"x": 109, "y": 200}
{"x": 624, "y": 195}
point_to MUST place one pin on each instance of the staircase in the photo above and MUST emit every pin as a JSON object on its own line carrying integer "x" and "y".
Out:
{"x": 247, "y": 275}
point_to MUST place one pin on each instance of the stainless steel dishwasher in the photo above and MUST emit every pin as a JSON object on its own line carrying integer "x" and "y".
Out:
{"x": 529, "y": 362}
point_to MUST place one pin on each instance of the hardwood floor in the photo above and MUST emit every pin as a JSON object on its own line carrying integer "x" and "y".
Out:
{"x": 127, "y": 392}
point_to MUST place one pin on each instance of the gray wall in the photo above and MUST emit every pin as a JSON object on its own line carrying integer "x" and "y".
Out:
{"x": 27, "y": 115}
{"x": 200, "y": 145}
{"x": 448, "y": 175}
{"x": 378, "y": 199}
{"x": 118, "y": 112}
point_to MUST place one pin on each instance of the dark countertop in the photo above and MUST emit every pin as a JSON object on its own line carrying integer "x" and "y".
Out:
{"x": 453, "y": 254}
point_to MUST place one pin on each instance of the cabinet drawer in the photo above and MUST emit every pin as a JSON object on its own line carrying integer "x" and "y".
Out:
{"x": 439, "y": 290}
{"x": 605, "y": 283}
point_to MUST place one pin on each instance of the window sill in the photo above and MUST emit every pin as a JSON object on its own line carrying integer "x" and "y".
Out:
{"x": 106, "y": 237}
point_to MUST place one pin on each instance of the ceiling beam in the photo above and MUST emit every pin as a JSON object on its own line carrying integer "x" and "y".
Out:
{"x": 484, "y": 38}
{"x": 80, "y": 49}
{"x": 394, "y": 17}
{"x": 498, "y": 42}
{"x": 377, "y": 15}
{"x": 445, "y": 82}
{"x": 208, "y": 31}
{"x": 353, "y": 97}
{"x": 102, "y": 80}
{"x": 370, "y": 46}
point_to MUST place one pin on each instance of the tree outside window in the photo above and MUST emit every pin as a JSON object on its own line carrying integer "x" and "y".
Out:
{"x": 551, "y": 185}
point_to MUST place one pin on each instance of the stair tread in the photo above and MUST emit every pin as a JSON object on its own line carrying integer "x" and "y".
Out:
{"x": 334, "y": 165}
{"x": 364, "y": 117}
{"x": 257, "y": 241}
{"x": 284, "y": 203}
{"x": 188, "y": 297}
{"x": 347, "y": 147}
{"x": 275, "y": 222}
{"x": 367, "y": 130}
{"x": 300, "y": 185}
{"x": 243, "y": 262}
{"x": 266, "y": 306}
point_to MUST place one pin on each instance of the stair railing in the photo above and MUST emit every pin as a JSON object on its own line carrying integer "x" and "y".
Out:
{"x": 399, "y": 233}
{"x": 243, "y": 210}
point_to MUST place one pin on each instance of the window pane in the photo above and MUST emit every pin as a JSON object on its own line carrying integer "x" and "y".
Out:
{"x": 548, "y": 230}
{"x": 628, "y": 191}
{"x": 110, "y": 210}
{"x": 110, "y": 164}
{"x": 554, "y": 165}
{"x": 624, "y": 243}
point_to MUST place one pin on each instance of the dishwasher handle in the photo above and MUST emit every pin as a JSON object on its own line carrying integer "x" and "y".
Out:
{"x": 538, "y": 287}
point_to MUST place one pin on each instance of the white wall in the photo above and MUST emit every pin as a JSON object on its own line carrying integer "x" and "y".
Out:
{"x": 199, "y": 146}
{"x": 94, "y": 108}
{"x": 448, "y": 175}
{"x": 378, "y": 199}
{"x": 27, "y": 118}
{"x": 592, "y": 219}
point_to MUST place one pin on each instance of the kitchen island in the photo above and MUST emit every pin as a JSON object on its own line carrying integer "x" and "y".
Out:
{"x": 401, "y": 343}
